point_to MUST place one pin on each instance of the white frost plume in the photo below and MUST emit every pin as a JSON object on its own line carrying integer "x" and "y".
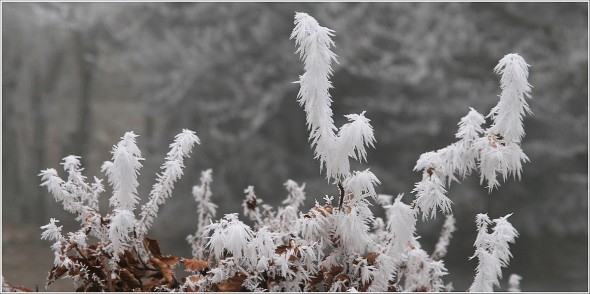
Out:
{"x": 122, "y": 172}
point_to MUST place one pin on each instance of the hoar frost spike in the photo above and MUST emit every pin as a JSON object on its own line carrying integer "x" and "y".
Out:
{"x": 495, "y": 150}
{"x": 314, "y": 48}
{"x": 492, "y": 250}
{"x": 162, "y": 189}
{"x": 122, "y": 172}
{"x": 331, "y": 148}
{"x": 500, "y": 150}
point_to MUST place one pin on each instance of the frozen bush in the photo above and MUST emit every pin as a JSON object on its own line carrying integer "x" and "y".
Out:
{"x": 332, "y": 247}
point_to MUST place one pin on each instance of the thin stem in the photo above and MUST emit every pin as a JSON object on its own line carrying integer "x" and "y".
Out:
{"x": 341, "y": 188}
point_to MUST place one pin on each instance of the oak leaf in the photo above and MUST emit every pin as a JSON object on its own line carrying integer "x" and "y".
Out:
{"x": 233, "y": 284}
{"x": 195, "y": 265}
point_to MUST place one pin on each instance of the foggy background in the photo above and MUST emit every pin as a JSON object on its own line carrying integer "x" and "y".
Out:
{"x": 77, "y": 76}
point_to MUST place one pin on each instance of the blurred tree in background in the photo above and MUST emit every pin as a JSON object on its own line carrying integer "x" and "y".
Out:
{"x": 76, "y": 76}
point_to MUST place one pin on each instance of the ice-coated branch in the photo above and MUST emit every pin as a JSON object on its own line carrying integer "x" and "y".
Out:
{"x": 430, "y": 194}
{"x": 496, "y": 157}
{"x": 351, "y": 141}
{"x": 261, "y": 247}
{"x": 504, "y": 234}
{"x": 440, "y": 250}
{"x": 492, "y": 250}
{"x": 205, "y": 210}
{"x": 500, "y": 148}
{"x": 470, "y": 126}
{"x": 296, "y": 195}
{"x": 251, "y": 205}
{"x": 402, "y": 226}
{"x": 495, "y": 150}
{"x": 55, "y": 186}
{"x": 52, "y": 232}
{"x": 464, "y": 158}
{"x": 75, "y": 194}
{"x": 121, "y": 225}
{"x": 229, "y": 235}
{"x": 362, "y": 184}
{"x": 510, "y": 110}
{"x": 440, "y": 167}
{"x": 314, "y": 49}
{"x": 331, "y": 148}
{"x": 122, "y": 173}
{"x": 61, "y": 246}
{"x": 287, "y": 216}
{"x": 352, "y": 226}
{"x": 202, "y": 195}
{"x": 421, "y": 272}
{"x": 162, "y": 189}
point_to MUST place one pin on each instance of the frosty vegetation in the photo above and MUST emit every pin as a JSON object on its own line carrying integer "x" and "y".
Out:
{"x": 338, "y": 245}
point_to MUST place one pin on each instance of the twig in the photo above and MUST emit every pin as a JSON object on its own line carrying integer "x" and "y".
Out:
{"x": 341, "y": 188}
{"x": 80, "y": 252}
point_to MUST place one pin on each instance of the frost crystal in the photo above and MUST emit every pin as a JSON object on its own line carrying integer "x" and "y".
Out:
{"x": 122, "y": 172}
{"x": 162, "y": 189}
{"x": 492, "y": 251}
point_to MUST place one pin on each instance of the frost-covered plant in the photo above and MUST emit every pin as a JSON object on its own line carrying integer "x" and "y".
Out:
{"x": 440, "y": 250}
{"x": 331, "y": 148}
{"x": 492, "y": 250}
{"x": 402, "y": 227}
{"x": 251, "y": 206}
{"x": 205, "y": 211}
{"x": 494, "y": 150}
{"x": 162, "y": 189}
{"x": 502, "y": 153}
{"x": 328, "y": 248}
{"x": 228, "y": 236}
{"x": 120, "y": 237}
{"x": 296, "y": 195}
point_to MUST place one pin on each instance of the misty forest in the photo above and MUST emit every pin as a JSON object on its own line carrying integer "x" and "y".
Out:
{"x": 295, "y": 147}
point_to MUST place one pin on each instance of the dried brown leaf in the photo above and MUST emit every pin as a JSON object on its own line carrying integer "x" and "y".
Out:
{"x": 233, "y": 284}
{"x": 336, "y": 269}
{"x": 251, "y": 204}
{"x": 170, "y": 260}
{"x": 128, "y": 258}
{"x": 151, "y": 284}
{"x": 342, "y": 277}
{"x": 139, "y": 271}
{"x": 163, "y": 267}
{"x": 193, "y": 279}
{"x": 281, "y": 249}
{"x": 293, "y": 257}
{"x": 318, "y": 278}
{"x": 372, "y": 258}
{"x": 195, "y": 265}
{"x": 153, "y": 246}
{"x": 129, "y": 278}
{"x": 157, "y": 275}
{"x": 323, "y": 210}
{"x": 55, "y": 273}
